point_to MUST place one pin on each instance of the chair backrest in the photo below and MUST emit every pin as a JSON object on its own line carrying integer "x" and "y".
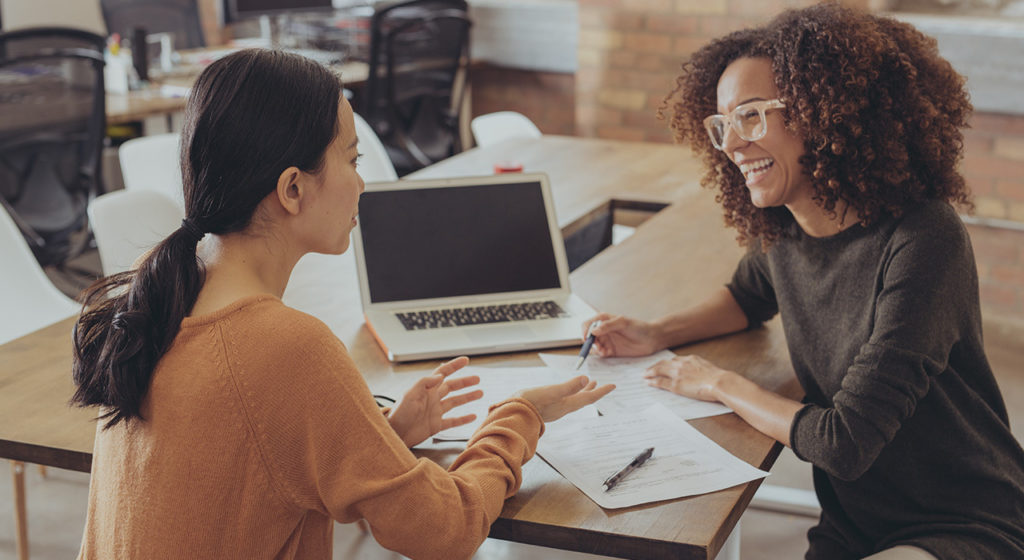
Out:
{"x": 374, "y": 165}
{"x": 492, "y": 128}
{"x": 151, "y": 163}
{"x": 180, "y": 18}
{"x": 52, "y": 127}
{"x": 418, "y": 48}
{"x": 126, "y": 224}
{"x": 27, "y": 297}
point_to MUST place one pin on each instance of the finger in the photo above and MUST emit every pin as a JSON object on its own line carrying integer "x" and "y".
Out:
{"x": 610, "y": 324}
{"x": 661, "y": 383}
{"x": 459, "y": 400}
{"x": 595, "y": 319}
{"x": 455, "y": 421}
{"x": 427, "y": 382}
{"x": 452, "y": 366}
{"x": 583, "y": 398}
{"x": 459, "y": 383}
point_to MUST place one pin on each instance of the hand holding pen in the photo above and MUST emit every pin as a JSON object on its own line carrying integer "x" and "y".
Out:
{"x": 619, "y": 336}
{"x": 587, "y": 343}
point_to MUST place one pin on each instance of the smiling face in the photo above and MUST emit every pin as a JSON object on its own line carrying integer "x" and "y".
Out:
{"x": 771, "y": 165}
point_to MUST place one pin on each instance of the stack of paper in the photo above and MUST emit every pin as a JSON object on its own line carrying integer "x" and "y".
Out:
{"x": 586, "y": 451}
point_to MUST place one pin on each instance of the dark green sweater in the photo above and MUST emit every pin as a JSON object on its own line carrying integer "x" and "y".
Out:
{"x": 904, "y": 423}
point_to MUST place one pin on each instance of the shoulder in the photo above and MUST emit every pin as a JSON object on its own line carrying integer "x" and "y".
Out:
{"x": 932, "y": 231}
{"x": 266, "y": 338}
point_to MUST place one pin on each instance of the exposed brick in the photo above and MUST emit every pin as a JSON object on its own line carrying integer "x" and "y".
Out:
{"x": 980, "y": 185}
{"x": 997, "y": 297}
{"x": 611, "y": 18}
{"x": 1015, "y": 212}
{"x": 647, "y": 42}
{"x": 672, "y": 23}
{"x": 599, "y": 38}
{"x": 1008, "y": 274}
{"x": 991, "y": 166}
{"x": 1009, "y": 147}
{"x": 995, "y": 244}
{"x": 702, "y": 7}
{"x": 647, "y": 5}
{"x": 1010, "y": 189}
{"x": 628, "y": 99}
{"x": 717, "y": 26}
{"x": 991, "y": 207}
{"x": 685, "y": 46}
{"x": 591, "y": 57}
{"x": 977, "y": 143}
{"x": 997, "y": 123}
{"x": 641, "y": 119}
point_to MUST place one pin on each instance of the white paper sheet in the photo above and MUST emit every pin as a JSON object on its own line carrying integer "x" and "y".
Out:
{"x": 499, "y": 384}
{"x": 632, "y": 392}
{"x": 586, "y": 451}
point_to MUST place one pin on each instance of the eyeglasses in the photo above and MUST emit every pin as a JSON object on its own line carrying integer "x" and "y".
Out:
{"x": 747, "y": 120}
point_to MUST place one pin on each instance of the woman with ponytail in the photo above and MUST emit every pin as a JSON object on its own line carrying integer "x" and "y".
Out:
{"x": 232, "y": 426}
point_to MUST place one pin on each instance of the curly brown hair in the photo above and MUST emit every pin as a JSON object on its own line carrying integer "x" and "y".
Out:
{"x": 878, "y": 109}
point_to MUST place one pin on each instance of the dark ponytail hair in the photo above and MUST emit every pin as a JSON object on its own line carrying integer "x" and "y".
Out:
{"x": 250, "y": 116}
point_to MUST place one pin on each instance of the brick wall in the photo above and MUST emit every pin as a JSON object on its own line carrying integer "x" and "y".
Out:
{"x": 547, "y": 98}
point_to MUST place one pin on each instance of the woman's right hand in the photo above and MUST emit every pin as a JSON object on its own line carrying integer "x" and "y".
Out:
{"x": 555, "y": 401}
{"x": 618, "y": 336}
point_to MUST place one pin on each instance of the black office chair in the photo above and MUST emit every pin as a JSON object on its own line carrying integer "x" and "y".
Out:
{"x": 180, "y": 18}
{"x": 417, "y": 50}
{"x": 52, "y": 127}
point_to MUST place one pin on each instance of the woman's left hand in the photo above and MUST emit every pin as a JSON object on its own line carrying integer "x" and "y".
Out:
{"x": 690, "y": 376}
{"x": 420, "y": 413}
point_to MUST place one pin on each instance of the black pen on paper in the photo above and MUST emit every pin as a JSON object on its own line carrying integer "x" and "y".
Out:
{"x": 587, "y": 344}
{"x": 632, "y": 466}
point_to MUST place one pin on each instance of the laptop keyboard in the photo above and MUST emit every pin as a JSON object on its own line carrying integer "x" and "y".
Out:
{"x": 480, "y": 315}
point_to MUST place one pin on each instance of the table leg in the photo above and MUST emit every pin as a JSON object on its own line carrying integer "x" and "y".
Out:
{"x": 20, "y": 515}
{"x": 731, "y": 549}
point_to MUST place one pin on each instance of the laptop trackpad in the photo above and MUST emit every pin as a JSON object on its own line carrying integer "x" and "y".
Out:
{"x": 499, "y": 336}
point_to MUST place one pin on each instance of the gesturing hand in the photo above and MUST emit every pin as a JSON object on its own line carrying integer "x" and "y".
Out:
{"x": 690, "y": 376}
{"x": 420, "y": 413}
{"x": 555, "y": 401}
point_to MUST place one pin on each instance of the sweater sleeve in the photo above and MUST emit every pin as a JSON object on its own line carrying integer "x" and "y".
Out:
{"x": 327, "y": 447}
{"x": 923, "y": 304}
{"x": 751, "y": 287}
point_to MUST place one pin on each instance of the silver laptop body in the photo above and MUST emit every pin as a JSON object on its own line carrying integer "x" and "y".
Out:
{"x": 452, "y": 267}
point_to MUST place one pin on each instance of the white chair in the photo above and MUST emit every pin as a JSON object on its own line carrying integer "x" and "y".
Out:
{"x": 126, "y": 224}
{"x": 151, "y": 163}
{"x": 375, "y": 165}
{"x": 492, "y": 128}
{"x": 29, "y": 302}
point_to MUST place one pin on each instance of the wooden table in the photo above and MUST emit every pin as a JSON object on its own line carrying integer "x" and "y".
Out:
{"x": 672, "y": 259}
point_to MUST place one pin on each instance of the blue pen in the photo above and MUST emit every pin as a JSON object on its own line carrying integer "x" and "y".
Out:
{"x": 587, "y": 344}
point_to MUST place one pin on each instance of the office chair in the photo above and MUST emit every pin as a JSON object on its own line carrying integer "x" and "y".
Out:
{"x": 29, "y": 302}
{"x": 151, "y": 163}
{"x": 127, "y": 224}
{"x": 52, "y": 127}
{"x": 492, "y": 128}
{"x": 418, "y": 49}
{"x": 180, "y": 18}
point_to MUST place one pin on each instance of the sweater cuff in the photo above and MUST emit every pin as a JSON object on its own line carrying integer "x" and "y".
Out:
{"x": 795, "y": 441}
{"x": 524, "y": 402}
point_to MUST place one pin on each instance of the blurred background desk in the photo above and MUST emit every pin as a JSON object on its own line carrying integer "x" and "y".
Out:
{"x": 673, "y": 259}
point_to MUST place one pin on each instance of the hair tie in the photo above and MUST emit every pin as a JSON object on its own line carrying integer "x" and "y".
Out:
{"x": 194, "y": 232}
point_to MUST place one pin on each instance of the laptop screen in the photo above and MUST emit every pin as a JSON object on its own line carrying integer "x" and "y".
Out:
{"x": 456, "y": 241}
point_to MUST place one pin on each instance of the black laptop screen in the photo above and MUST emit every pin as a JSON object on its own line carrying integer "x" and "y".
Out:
{"x": 456, "y": 241}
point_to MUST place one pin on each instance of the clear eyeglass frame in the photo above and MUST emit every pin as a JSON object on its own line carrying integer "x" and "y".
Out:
{"x": 747, "y": 120}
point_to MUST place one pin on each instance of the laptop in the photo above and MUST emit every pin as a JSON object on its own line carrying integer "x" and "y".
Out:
{"x": 464, "y": 266}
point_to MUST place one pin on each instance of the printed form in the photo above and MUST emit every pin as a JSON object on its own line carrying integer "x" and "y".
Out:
{"x": 586, "y": 451}
{"x": 632, "y": 392}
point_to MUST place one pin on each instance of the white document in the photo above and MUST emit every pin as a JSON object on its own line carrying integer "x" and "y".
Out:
{"x": 497, "y": 384}
{"x": 632, "y": 392}
{"x": 586, "y": 451}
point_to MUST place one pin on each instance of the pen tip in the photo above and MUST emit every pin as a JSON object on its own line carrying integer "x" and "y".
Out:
{"x": 579, "y": 363}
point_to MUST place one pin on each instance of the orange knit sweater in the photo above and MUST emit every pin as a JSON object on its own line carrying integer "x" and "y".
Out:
{"x": 259, "y": 431}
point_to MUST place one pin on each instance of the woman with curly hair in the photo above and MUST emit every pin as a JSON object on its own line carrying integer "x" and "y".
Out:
{"x": 833, "y": 138}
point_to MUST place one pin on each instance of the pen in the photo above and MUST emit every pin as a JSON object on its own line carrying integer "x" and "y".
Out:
{"x": 633, "y": 465}
{"x": 587, "y": 344}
